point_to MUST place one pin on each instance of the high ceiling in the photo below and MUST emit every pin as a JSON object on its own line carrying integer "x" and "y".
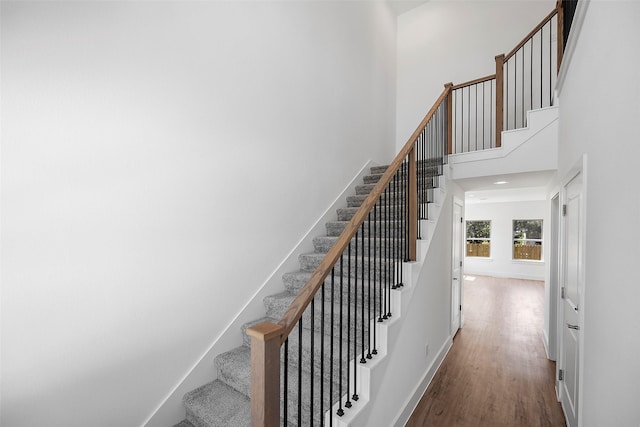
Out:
{"x": 510, "y": 188}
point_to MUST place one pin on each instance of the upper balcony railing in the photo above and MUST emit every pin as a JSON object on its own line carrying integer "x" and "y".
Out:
{"x": 524, "y": 80}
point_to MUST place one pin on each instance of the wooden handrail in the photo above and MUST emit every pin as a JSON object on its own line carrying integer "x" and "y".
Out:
{"x": 531, "y": 34}
{"x": 473, "y": 82}
{"x": 306, "y": 294}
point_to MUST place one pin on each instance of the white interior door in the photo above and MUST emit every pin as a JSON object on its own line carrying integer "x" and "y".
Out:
{"x": 456, "y": 268}
{"x": 572, "y": 283}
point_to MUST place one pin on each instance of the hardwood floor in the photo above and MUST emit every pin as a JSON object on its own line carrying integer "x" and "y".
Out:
{"x": 497, "y": 372}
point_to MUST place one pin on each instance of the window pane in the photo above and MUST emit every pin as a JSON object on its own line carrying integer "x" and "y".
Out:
{"x": 527, "y": 239}
{"x": 478, "y": 238}
{"x": 527, "y": 229}
{"x": 479, "y": 229}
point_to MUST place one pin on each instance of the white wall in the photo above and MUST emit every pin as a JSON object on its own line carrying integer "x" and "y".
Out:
{"x": 501, "y": 215}
{"x": 454, "y": 41}
{"x": 599, "y": 109}
{"x": 426, "y": 319}
{"x": 159, "y": 159}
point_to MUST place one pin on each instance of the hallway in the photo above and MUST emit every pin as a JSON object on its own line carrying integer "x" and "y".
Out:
{"x": 496, "y": 373}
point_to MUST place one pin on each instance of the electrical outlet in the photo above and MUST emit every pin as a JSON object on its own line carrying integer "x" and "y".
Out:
{"x": 426, "y": 350}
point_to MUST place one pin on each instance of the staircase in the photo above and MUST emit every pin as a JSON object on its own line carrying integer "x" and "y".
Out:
{"x": 226, "y": 401}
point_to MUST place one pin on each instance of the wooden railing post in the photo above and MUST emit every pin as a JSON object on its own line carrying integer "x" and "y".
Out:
{"x": 413, "y": 205}
{"x": 499, "y": 98}
{"x": 265, "y": 374}
{"x": 449, "y": 118}
{"x": 560, "y": 35}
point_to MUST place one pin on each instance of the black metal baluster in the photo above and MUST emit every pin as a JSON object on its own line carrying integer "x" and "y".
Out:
{"x": 388, "y": 257}
{"x": 374, "y": 288}
{"x": 531, "y": 74}
{"x": 286, "y": 382}
{"x": 541, "y": 68}
{"x": 523, "y": 76}
{"x": 476, "y": 116}
{"x": 322, "y": 316}
{"x": 333, "y": 282}
{"x": 392, "y": 245}
{"x": 550, "y": 67}
{"x": 340, "y": 411}
{"x": 347, "y": 404}
{"x": 386, "y": 249}
{"x": 300, "y": 371}
{"x": 468, "y": 118}
{"x": 355, "y": 324}
{"x": 492, "y": 103}
{"x": 311, "y": 367}
{"x": 362, "y": 359}
{"x": 506, "y": 107}
{"x": 378, "y": 265}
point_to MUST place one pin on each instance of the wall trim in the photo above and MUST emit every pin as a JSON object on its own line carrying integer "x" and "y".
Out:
{"x": 414, "y": 399}
{"x": 503, "y": 275}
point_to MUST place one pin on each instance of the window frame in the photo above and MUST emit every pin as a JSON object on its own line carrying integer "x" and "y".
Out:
{"x": 481, "y": 239}
{"x": 537, "y": 242}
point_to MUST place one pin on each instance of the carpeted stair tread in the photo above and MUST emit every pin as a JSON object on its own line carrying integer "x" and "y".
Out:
{"x": 234, "y": 369}
{"x": 278, "y": 304}
{"x": 322, "y": 244}
{"x": 335, "y": 228}
{"x": 309, "y": 262}
{"x": 217, "y": 405}
{"x": 184, "y": 423}
{"x": 233, "y": 365}
{"x": 345, "y": 214}
{"x": 372, "y": 179}
{"x": 295, "y": 281}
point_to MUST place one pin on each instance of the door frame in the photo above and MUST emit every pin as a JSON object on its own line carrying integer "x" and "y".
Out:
{"x": 554, "y": 277}
{"x": 579, "y": 168}
{"x": 456, "y": 222}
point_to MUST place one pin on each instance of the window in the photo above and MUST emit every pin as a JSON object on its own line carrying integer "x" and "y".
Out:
{"x": 527, "y": 239}
{"x": 479, "y": 238}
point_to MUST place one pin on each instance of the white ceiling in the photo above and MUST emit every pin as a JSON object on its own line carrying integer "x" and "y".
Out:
{"x": 519, "y": 187}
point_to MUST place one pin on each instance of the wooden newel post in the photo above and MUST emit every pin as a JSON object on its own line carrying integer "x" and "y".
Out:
{"x": 560, "y": 35}
{"x": 449, "y": 118}
{"x": 499, "y": 98}
{"x": 265, "y": 374}
{"x": 413, "y": 205}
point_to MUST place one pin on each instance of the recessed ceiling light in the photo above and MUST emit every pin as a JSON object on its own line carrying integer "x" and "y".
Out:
{"x": 500, "y": 182}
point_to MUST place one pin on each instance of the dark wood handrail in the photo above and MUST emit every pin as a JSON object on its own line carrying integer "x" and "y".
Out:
{"x": 531, "y": 34}
{"x": 473, "y": 82}
{"x": 306, "y": 294}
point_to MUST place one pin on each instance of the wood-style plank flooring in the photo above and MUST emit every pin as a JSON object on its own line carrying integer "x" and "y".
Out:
{"x": 497, "y": 372}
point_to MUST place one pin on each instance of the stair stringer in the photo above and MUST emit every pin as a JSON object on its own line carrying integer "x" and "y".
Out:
{"x": 376, "y": 378}
{"x": 171, "y": 410}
